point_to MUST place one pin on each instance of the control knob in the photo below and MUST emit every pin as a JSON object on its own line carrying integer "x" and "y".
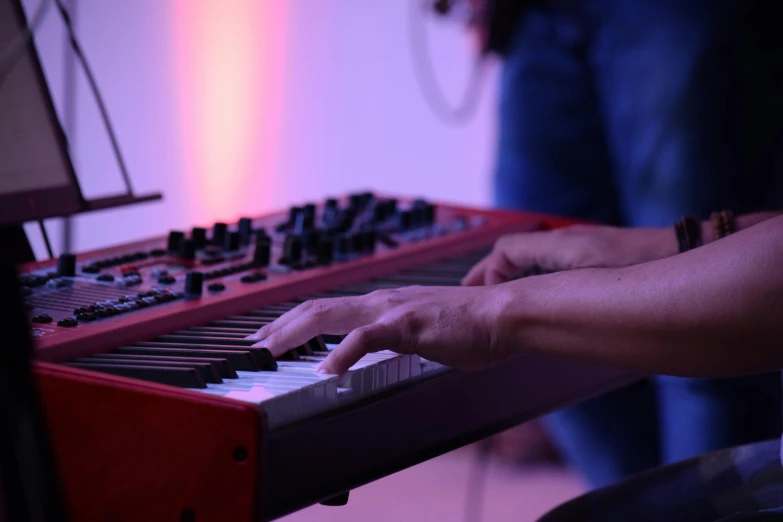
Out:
{"x": 175, "y": 237}
{"x": 231, "y": 241}
{"x": 199, "y": 237}
{"x": 66, "y": 265}
{"x": 219, "y": 233}
{"x": 194, "y": 283}
{"x": 245, "y": 228}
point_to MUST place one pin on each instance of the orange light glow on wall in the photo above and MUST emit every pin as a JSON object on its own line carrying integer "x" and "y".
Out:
{"x": 229, "y": 70}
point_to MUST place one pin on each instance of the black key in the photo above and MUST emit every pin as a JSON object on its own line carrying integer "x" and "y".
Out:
{"x": 239, "y": 324}
{"x": 184, "y": 341}
{"x": 181, "y": 377}
{"x": 224, "y": 329}
{"x": 260, "y": 356}
{"x": 205, "y": 339}
{"x": 270, "y": 314}
{"x": 260, "y": 318}
{"x": 221, "y": 335}
{"x": 241, "y": 360}
{"x": 315, "y": 344}
{"x": 282, "y": 307}
{"x": 208, "y": 373}
{"x": 247, "y": 319}
{"x": 222, "y": 366}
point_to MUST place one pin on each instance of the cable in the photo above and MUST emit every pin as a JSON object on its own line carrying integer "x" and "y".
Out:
{"x": 46, "y": 239}
{"x": 463, "y": 112}
{"x": 96, "y": 92}
{"x": 17, "y": 48}
{"x": 477, "y": 482}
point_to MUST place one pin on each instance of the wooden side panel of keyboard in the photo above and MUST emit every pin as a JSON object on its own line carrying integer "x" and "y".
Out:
{"x": 129, "y": 451}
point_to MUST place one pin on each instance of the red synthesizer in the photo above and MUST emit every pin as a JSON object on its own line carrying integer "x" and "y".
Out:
{"x": 159, "y": 408}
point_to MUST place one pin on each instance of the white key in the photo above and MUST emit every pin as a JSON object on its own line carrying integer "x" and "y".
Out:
{"x": 295, "y": 391}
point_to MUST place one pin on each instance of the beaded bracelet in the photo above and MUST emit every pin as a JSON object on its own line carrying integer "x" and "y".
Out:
{"x": 688, "y": 230}
{"x": 724, "y": 223}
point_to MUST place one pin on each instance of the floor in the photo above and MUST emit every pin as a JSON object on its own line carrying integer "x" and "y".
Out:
{"x": 436, "y": 490}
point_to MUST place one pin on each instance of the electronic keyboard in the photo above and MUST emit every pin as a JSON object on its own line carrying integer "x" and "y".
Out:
{"x": 160, "y": 408}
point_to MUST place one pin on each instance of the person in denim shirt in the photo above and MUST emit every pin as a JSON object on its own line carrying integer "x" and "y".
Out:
{"x": 635, "y": 113}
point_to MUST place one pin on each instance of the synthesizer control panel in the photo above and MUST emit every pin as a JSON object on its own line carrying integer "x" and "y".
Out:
{"x": 186, "y": 265}
{"x": 70, "y": 297}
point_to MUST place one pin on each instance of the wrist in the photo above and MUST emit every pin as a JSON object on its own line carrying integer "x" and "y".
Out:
{"x": 516, "y": 312}
{"x": 664, "y": 243}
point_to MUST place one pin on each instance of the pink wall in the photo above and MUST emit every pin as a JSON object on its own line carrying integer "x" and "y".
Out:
{"x": 243, "y": 106}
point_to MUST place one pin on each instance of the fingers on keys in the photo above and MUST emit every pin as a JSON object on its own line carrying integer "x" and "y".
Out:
{"x": 335, "y": 316}
{"x": 494, "y": 269}
{"x": 361, "y": 341}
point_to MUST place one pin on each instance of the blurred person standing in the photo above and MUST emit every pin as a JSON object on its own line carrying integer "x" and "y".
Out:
{"x": 636, "y": 113}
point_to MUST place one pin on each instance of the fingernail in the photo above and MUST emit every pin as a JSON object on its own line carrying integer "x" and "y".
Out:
{"x": 260, "y": 344}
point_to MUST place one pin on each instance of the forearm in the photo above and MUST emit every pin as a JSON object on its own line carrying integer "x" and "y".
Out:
{"x": 714, "y": 311}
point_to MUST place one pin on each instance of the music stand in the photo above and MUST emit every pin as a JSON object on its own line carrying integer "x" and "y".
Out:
{"x": 37, "y": 178}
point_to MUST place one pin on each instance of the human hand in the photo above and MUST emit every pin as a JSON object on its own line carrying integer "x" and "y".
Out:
{"x": 456, "y": 327}
{"x": 580, "y": 246}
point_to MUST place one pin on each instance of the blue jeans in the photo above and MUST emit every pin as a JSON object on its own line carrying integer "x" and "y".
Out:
{"x": 636, "y": 113}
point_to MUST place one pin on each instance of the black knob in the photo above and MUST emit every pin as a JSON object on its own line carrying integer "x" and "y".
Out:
{"x": 357, "y": 242}
{"x": 429, "y": 214}
{"x": 231, "y": 242}
{"x": 292, "y": 213}
{"x": 355, "y": 201}
{"x": 292, "y": 250}
{"x": 405, "y": 218}
{"x": 343, "y": 245}
{"x": 187, "y": 250}
{"x": 369, "y": 241}
{"x": 166, "y": 279}
{"x": 325, "y": 250}
{"x": 344, "y": 220}
{"x": 216, "y": 287}
{"x": 309, "y": 211}
{"x": 310, "y": 240}
{"x": 194, "y": 283}
{"x": 175, "y": 237}
{"x": 66, "y": 265}
{"x": 380, "y": 213}
{"x": 423, "y": 213}
{"x": 219, "y": 233}
{"x": 304, "y": 222}
{"x": 262, "y": 251}
{"x": 330, "y": 212}
{"x": 199, "y": 237}
{"x": 245, "y": 228}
